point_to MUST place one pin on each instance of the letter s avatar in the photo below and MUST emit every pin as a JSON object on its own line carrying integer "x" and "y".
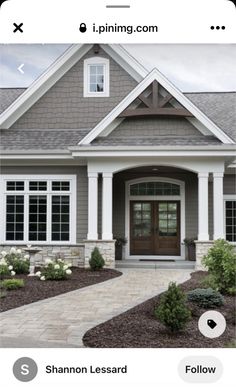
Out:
{"x": 25, "y": 369}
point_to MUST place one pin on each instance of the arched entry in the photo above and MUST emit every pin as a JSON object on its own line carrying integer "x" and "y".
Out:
{"x": 155, "y": 217}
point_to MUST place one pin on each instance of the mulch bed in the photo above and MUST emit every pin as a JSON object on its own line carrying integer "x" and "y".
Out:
{"x": 138, "y": 328}
{"x": 36, "y": 290}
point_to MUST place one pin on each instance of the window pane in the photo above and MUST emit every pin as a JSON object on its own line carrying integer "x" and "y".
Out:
{"x": 15, "y": 185}
{"x": 38, "y": 186}
{"x": 230, "y": 221}
{"x": 156, "y": 188}
{"x": 60, "y": 185}
{"x": 96, "y": 78}
{"x": 15, "y": 218}
{"x": 38, "y": 218}
{"x": 60, "y": 218}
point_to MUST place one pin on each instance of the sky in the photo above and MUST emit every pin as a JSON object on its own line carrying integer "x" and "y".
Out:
{"x": 190, "y": 67}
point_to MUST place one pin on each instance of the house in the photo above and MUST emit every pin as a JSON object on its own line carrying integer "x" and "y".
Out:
{"x": 98, "y": 148}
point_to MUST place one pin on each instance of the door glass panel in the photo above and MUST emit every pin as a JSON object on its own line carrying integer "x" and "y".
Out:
{"x": 167, "y": 219}
{"x": 141, "y": 219}
{"x": 163, "y": 207}
{"x": 172, "y": 206}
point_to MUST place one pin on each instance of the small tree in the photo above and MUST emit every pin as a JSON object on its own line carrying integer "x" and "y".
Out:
{"x": 96, "y": 261}
{"x": 173, "y": 311}
{"x": 221, "y": 264}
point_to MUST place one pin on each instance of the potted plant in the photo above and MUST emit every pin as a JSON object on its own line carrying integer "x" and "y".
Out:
{"x": 191, "y": 248}
{"x": 119, "y": 244}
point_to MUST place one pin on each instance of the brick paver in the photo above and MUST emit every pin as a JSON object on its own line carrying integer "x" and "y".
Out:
{"x": 63, "y": 320}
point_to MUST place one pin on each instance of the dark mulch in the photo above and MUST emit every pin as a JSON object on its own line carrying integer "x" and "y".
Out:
{"x": 138, "y": 328}
{"x": 36, "y": 290}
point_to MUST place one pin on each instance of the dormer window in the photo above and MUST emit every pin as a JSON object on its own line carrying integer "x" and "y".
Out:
{"x": 96, "y": 77}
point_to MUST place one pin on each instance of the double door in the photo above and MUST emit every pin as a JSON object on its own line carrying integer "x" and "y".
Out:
{"x": 155, "y": 228}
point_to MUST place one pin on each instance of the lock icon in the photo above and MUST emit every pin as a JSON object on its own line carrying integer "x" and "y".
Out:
{"x": 83, "y": 28}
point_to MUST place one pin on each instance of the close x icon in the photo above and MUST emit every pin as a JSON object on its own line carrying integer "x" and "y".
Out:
{"x": 18, "y": 27}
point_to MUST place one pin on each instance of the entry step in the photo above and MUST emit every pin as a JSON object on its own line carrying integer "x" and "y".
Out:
{"x": 133, "y": 263}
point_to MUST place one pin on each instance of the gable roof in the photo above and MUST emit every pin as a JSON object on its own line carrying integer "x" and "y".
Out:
{"x": 217, "y": 110}
{"x": 64, "y": 63}
{"x": 220, "y": 107}
{"x": 176, "y": 93}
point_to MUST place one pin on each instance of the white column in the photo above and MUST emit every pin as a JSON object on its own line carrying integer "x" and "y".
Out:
{"x": 92, "y": 206}
{"x": 203, "y": 233}
{"x": 218, "y": 205}
{"x": 107, "y": 206}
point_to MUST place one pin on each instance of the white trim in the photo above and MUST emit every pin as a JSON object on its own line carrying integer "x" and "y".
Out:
{"x": 92, "y": 206}
{"x": 228, "y": 198}
{"x": 203, "y": 206}
{"x": 49, "y": 193}
{"x": 42, "y": 84}
{"x": 218, "y": 204}
{"x": 149, "y": 151}
{"x": 106, "y": 65}
{"x": 126, "y": 61}
{"x": 177, "y": 94}
{"x": 180, "y": 197}
{"x": 107, "y": 209}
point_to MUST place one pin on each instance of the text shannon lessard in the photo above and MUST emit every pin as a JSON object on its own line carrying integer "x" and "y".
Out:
{"x": 51, "y": 369}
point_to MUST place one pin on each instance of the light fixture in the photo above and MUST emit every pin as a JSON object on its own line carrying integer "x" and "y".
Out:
{"x": 155, "y": 169}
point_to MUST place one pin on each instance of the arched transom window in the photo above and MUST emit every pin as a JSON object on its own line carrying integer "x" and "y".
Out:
{"x": 154, "y": 188}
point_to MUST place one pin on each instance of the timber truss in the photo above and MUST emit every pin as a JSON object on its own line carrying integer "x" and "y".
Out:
{"x": 155, "y": 105}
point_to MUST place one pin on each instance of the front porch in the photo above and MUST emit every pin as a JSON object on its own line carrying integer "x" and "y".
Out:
{"x": 154, "y": 206}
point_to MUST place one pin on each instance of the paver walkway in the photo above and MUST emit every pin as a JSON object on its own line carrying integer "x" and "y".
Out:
{"x": 62, "y": 321}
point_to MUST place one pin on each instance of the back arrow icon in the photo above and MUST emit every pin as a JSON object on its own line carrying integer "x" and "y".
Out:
{"x": 20, "y": 68}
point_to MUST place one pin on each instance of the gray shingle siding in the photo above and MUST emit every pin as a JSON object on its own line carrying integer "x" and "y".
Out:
{"x": 8, "y": 96}
{"x": 150, "y": 127}
{"x": 64, "y": 106}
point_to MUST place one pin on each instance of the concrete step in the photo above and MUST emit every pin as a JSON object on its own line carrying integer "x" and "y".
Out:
{"x": 131, "y": 263}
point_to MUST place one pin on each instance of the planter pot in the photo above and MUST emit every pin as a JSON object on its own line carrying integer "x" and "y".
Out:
{"x": 118, "y": 252}
{"x": 191, "y": 252}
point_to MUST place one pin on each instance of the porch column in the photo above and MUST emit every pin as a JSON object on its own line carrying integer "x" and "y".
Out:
{"x": 107, "y": 206}
{"x": 218, "y": 205}
{"x": 203, "y": 233}
{"x": 92, "y": 206}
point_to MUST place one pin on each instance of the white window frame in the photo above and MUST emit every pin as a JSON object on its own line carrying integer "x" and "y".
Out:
{"x": 228, "y": 198}
{"x": 49, "y": 193}
{"x": 96, "y": 61}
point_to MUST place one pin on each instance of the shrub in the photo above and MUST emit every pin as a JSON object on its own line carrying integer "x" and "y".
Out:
{"x": 221, "y": 264}
{"x": 96, "y": 261}
{"x": 173, "y": 311}
{"x": 12, "y": 284}
{"x": 18, "y": 261}
{"x": 206, "y": 298}
{"x": 5, "y": 269}
{"x": 56, "y": 271}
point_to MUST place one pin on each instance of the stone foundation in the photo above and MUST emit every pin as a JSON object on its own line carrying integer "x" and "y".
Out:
{"x": 73, "y": 254}
{"x": 202, "y": 248}
{"x": 106, "y": 248}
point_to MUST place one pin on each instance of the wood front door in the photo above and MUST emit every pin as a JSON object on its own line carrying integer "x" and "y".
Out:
{"x": 155, "y": 228}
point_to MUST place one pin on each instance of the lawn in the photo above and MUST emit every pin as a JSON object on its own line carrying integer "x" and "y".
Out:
{"x": 36, "y": 290}
{"x": 138, "y": 327}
